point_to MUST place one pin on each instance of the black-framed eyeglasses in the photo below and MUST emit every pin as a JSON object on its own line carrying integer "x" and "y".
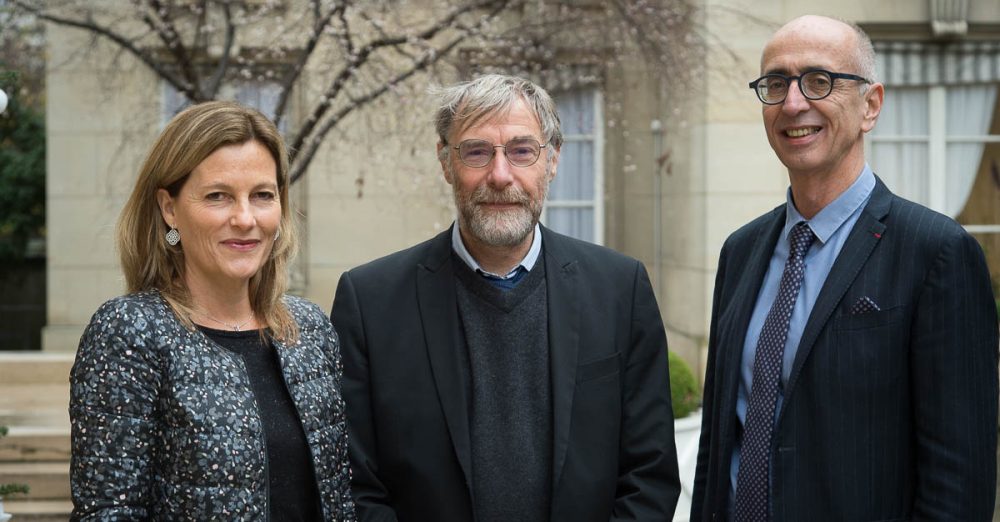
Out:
{"x": 520, "y": 152}
{"x": 814, "y": 85}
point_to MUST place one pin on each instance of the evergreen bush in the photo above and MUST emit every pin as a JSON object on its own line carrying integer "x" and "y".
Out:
{"x": 22, "y": 176}
{"x": 685, "y": 394}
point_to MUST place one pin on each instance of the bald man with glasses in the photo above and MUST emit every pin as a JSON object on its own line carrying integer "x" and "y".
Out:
{"x": 501, "y": 371}
{"x": 852, "y": 366}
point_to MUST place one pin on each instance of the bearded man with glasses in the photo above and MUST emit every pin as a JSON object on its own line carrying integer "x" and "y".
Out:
{"x": 852, "y": 365}
{"x": 501, "y": 371}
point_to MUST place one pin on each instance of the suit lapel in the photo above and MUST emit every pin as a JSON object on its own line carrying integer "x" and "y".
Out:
{"x": 744, "y": 299}
{"x": 564, "y": 341}
{"x": 439, "y": 315}
{"x": 859, "y": 245}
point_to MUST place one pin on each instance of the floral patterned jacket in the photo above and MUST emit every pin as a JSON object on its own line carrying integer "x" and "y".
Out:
{"x": 165, "y": 425}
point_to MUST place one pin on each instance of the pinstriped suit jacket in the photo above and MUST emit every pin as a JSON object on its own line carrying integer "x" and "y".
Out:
{"x": 888, "y": 415}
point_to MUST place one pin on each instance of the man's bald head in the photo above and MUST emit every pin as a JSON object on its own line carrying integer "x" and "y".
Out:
{"x": 821, "y": 137}
{"x": 858, "y": 44}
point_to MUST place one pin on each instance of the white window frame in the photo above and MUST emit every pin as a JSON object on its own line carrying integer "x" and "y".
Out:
{"x": 937, "y": 141}
{"x": 596, "y": 136}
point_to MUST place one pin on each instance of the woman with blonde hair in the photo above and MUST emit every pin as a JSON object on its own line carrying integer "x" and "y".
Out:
{"x": 205, "y": 392}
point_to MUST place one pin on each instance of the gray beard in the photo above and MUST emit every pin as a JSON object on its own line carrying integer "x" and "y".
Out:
{"x": 507, "y": 228}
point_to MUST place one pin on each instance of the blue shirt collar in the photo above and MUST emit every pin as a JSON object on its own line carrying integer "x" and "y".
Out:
{"x": 527, "y": 263}
{"x": 834, "y": 215}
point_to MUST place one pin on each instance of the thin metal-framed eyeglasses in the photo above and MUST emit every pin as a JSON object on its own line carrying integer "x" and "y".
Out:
{"x": 817, "y": 84}
{"x": 520, "y": 152}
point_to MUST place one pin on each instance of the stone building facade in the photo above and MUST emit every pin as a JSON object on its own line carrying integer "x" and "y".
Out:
{"x": 662, "y": 172}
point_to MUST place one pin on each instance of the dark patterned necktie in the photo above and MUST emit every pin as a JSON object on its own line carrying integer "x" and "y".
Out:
{"x": 752, "y": 491}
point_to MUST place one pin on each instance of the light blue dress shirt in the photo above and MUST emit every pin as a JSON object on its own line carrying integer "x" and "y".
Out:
{"x": 831, "y": 226}
{"x": 527, "y": 263}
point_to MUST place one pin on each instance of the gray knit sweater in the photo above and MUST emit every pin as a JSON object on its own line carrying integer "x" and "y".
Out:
{"x": 511, "y": 418}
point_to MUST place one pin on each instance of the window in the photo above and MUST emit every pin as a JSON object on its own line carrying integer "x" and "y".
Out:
{"x": 262, "y": 96}
{"x": 936, "y": 121}
{"x": 937, "y": 141}
{"x": 575, "y": 205}
{"x": 929, "y": 142}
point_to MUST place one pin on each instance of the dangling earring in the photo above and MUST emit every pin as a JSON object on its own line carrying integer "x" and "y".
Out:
{"x": 173, "y": 236}
{"x": 276, "y": 234}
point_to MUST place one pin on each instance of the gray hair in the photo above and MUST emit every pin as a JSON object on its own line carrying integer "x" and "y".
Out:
{"x": 468, "y": 103}
{"x": 864, "y": 54}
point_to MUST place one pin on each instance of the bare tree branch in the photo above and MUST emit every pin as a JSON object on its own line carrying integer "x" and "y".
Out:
{"x": 381, "y": 32}
{"x": 447, "y": 22}
{"x": 345, "y": 38}
{"x": 93, "y": 27}
{"x": 361, "y": 56}
{"x": 625, "y": 11}
{"x": 202, "y": 12}
{"x": 212, "y": 89}
{"x": 375, "y": 45}
{"x": 288, "y": 83}
{"x": 301, "y": 162}
{"x": 163, "y": 25}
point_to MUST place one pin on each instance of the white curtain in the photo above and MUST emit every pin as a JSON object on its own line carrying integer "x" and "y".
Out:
{"x": 574, "y": 222}
{"x": 575, "y": 180}
{"x": 900, "y": 158}
{"x": 969, "y": 73}
{"x": 969, "y": 112}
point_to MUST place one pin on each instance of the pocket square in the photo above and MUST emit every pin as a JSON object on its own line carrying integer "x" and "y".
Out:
{"x": 864, "y": 305}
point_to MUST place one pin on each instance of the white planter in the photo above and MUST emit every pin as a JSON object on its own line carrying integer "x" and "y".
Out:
{"x": 687, "y": 432}
{"x": 4, "y": 516}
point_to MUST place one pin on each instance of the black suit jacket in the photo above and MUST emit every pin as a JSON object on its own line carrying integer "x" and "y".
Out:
{"x": 408, "y": 406}
{"x": 888, "y": 415}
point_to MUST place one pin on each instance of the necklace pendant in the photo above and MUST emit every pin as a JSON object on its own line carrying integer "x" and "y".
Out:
{"x": 233, "y": 327}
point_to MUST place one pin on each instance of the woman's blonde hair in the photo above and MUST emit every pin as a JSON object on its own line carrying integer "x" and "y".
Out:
{"x": 150, "y": 263}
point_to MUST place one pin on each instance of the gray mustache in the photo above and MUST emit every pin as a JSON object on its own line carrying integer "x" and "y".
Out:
{"x": 485, "y": 195}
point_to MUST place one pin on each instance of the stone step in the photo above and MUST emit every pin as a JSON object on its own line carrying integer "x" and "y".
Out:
{"x": 39, "y": 510}
{"x": 30, "y": 398}
{"x": 34, "y": 389}
{"x": 34, "y": 368}
{"x": 34, "y": 397}
{"x": 56, "y": 418}
{"x": 35, "y": 444}
{"x": 47, "y": 480}
{"x": 33, "y": 383}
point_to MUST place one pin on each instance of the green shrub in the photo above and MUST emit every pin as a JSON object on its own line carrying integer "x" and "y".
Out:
{"x": 22, "y": 176}
{"x": 685, "y": 394}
